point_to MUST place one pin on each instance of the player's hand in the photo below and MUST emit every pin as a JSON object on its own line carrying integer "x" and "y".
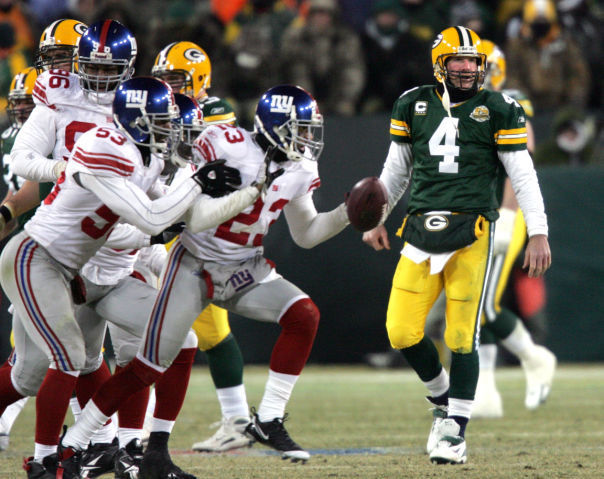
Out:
{"x": 265, "y": 177}
{"x": 59, "y": 168}
{"x": 216, "y": 179}
{"x": 537, "y": 256}
{"x": 168, "y": 234}
{"x": 377, "y": 238}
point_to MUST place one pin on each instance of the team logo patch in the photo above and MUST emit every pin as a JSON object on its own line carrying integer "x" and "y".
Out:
{"x": 281, "y": 103}
{"x": 480, "y": 114}
{"x": 136, "y": 98}
{"x": 439, "y": 39}
{"x": 194, "y": 54}
{"x": 436, "y": 222}
{"x": 217, "y": 110}
{"x": 521, "y": 119}
{"x": 421, "y": 107}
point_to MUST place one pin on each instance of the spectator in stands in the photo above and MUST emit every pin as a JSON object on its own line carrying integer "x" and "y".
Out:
{"x": 427, "y": 17}
{"x": 473, "y": 15}
{"x": 392, "y": 56}
{"x": 12, "y": 12}
{"x": 572, "y": 143}
{"x": 253, "y": 39}
{"x": 12, "y": 61}
{"x": 545, "y": 62}
{"x": 323, "y": 55}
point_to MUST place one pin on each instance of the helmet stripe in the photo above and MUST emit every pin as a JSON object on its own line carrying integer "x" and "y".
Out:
{"x": 465, "y": 38}
{"x": 53, "y": 28}
{"x": 103, "y": 36}
{"x": 164, "y": 53}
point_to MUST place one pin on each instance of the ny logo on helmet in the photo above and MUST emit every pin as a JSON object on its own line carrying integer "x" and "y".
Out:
{"x": 281, "y": 103}
{"x": 136, "y": 98}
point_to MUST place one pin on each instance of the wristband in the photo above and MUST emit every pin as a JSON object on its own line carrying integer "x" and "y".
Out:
{"x": 6, "y": 213}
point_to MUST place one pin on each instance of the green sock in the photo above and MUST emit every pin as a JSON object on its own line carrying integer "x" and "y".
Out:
{"x": 504, "y": 324}
{"x": 226, "y": 363}
{"x": 423, "y": 358}
{"x": 463, "y": 375}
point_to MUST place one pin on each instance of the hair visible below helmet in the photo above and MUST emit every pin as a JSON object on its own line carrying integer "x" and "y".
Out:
{"x": 289, "y": 118}
{"x": 192, "y": 124}
{"x": 20, "y": 96}
{"x": 145, "y": 110}
{"x": 58, "y": 47}
{"x": 106, "y": 44}
{"x": 457, "y": 42}
{"x": 188, "y": 60}
{"x": 496, "y": 66}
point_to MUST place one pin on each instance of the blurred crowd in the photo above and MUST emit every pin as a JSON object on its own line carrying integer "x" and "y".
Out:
{"x": 355, "y": 56}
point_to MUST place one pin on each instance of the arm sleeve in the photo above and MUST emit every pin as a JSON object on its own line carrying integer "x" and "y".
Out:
{"x": 134, "y": 206}
{"x": 34, "y": 142}
{"x": 126, "y": 236}
{"x": 397, "y": 172}
{"x": 209, "y": 212}
{"x": 309, "y": 228}
{"x": 519, "y": 167}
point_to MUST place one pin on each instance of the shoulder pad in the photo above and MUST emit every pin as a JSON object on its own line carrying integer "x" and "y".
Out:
{"x": 222, "y": 141}
{"x": 57, "y": 87}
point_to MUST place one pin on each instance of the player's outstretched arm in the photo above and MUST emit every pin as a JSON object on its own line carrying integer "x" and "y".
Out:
{"x": 309, "y": 228}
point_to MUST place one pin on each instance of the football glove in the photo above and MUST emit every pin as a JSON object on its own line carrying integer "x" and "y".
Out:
{"x": 216, "y": 179}
{"x": 504, "y": 229}
{"x": 168, "y": 234}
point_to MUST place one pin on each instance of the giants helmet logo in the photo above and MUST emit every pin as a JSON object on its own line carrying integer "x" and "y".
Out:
{"x": 136, "y": 98}
{"x": 281, "y": 103}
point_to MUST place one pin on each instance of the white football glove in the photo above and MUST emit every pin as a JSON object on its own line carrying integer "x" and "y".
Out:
{"x": 504, "y": 229}
{"x": 59, "y": 168}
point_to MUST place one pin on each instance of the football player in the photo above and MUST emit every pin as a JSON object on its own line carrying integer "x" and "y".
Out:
{"x": 186, "y": 67}
{"x": 449, "y": 140}
{"x": 501, "y": 324}
{"x": 106, "y": 179}
{"x": 235, "y": 274}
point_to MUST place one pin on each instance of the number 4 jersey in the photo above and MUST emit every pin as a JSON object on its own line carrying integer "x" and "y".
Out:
{"x": 241, "y": 237}
{"x": 455, "y": 160}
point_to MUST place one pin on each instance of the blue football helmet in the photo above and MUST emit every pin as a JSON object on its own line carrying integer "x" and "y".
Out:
{"x": 144, "y": 109}
{"x": 106, "y": 56}
{"x": 288, "y": 117}
{"x": 191, "y": 120}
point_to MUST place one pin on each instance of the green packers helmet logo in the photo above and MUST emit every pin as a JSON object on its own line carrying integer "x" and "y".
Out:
{"x": 80, "y": 28}
{"x": 436, "y": 222}
{"x": 194, "y": 55}
{"x": 437, "y": 40}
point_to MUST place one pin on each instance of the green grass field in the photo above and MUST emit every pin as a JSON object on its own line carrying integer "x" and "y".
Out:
{"x": 365, "y": 423}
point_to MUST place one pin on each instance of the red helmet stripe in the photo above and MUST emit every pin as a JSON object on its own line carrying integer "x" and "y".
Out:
{"x": 103, "y": 36}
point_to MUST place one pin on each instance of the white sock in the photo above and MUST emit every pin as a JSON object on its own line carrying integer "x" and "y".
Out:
{"x": 10, "y": 415}
{"x": 519, "y": 342}
{"x": 233, "y": 401}
{"x": 277, "y": 391}
{"x": 76, "y": 410}
{"x": 105, "y": 434}
{"x": 91, "y": 420}
{"x": 125, "y": 435}
{"x": 150, "y": 406}
{"x": 162, "y": 425}
{"x": 42, "y": 450}
{"x": 487, "y": 356}
{"x": 460, "y": 407}
{"x": 439, "y": 385}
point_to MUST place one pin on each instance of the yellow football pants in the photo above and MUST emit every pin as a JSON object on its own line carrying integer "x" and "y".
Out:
{"x": 414, "y": 291}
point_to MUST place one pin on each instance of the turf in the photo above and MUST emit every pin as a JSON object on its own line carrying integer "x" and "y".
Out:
{"x": 366, "y": 423}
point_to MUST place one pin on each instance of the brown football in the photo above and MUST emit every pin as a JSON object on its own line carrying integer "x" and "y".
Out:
{"x": 366, "y": 203}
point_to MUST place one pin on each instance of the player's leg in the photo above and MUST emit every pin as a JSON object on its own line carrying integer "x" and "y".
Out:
{"x": 413, "y": 294}
{"x": 38, "y": 288}
{"x": 278, "y": 300}
{"x": 465, "y": 277}
{"x": 226, "y": 367}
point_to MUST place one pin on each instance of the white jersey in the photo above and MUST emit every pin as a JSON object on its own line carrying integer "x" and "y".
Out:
{"x": 241, "y": 237}
{"x": 73, "y": 222}
{"x": 61, "y": 115}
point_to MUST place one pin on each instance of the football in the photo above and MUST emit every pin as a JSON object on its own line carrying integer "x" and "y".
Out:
{"x": 366, "y": 203}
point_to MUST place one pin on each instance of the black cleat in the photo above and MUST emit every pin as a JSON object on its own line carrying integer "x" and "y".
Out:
{"x": 158, "y": 465}
{"x": 98, "y": 459}
{"x": 273, "y": 434}
{"x": 128, "y": 460}
{"x": 36, "y": 470}
{"x": 65, "y": 463}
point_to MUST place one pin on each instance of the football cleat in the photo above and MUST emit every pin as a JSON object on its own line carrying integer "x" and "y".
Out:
{"x": 273, "y": 434}
{"x": 35, "y": 470}
{"x": 439, "y": 413}
{"x": 230, "y": 435}
{"x": 487, "y": 400}
{"x": 65, "y": 463}
{"x": 4, "y": 440}
{"x": 451, "y": 447}
{"x": 157, "y": 464}
{"x": 128, "y": 460}
{"x": 98, "y": 459}
{"x": 539, "y": 370}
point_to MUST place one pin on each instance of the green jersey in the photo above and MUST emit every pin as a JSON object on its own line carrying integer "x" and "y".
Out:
{"x": 455, "y": 163}
{"x": 14, "y": 182}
